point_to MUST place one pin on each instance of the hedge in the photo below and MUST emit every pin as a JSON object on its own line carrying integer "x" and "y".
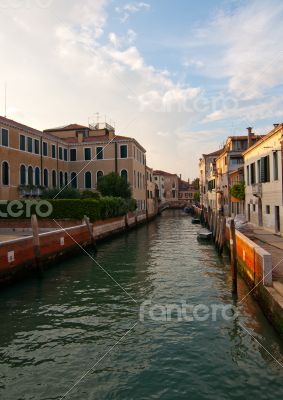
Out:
{"x": 105, "y": 207}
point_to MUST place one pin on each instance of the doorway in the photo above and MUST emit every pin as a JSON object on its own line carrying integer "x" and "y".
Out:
{"x": 249, "y": 212}
{"x": 259, "y": 212}
{"x": 277, "y": 219}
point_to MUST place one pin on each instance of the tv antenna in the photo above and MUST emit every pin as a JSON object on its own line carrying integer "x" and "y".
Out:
{"x": 5, "y": 100}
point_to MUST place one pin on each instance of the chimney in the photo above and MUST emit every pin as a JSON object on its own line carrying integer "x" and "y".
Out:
{"x": 275, "y": 125}
{"x": 250, "y": 134}
{"x": 180, "y": 176}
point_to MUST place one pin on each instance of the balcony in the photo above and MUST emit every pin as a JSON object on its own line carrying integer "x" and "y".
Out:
{"x": 257, "y": 189}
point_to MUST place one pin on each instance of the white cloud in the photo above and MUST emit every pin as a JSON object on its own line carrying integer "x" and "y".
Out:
{"x": 70, "y": 70}
{"x": 245, "y": 46}
{"x": 131, "y": 8}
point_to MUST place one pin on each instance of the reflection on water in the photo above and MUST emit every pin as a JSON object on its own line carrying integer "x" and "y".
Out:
{"x": 53, "y": 330}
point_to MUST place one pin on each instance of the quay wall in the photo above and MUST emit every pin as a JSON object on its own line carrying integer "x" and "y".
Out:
{"x": 255, "y": 267}
{"x": 25, "y": 256}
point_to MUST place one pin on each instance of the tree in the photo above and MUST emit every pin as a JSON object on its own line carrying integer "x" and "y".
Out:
{"x": 195, "y": 183}
{"x": 197, "y": 197}
{"x": 238, "y": 191}
{"x": 114, "y": 185}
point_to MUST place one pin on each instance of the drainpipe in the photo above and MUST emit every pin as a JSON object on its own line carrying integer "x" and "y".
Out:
{"x": 116, "y": 157}
{"x": 41, "y": 162}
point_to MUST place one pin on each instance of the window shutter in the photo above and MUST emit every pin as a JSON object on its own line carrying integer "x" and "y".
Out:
{"x": 267, "y": 169}
{"x": 262, "y": 169}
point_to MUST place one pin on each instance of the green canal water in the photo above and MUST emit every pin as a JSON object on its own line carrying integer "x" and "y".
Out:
{"x": 55, "y": 329}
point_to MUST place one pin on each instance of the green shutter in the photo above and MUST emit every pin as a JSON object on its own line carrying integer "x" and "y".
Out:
{"x": 262, "y": 169}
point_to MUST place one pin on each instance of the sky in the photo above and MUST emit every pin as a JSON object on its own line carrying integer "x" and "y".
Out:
{"x": 178, "y": 76}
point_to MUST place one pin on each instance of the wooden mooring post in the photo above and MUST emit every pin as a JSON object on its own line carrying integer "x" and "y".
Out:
{"x": 233, "y": 255}
{"x": 90, "y": 229}
{"x": 222, "y": 235}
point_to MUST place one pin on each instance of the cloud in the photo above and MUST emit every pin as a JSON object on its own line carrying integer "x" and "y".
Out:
{"x": 244, "y": 46}
{"x": 131, "y": 8}
{"x": 72, "y": 69}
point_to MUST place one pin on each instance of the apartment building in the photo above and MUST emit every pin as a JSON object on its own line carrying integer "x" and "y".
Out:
{"x": 167, "y": 186}
{"x": 73, "y": 154}
{"x": 186, "y": 193}
{"x": 206, "y": 177}
{"x": 237, "y": 204}
{"x": 229, "y": 160}
{"x": 151, "y": 189}
{"x": 263, "y": 181}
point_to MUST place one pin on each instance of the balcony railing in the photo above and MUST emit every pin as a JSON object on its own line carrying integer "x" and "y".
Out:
{"x": 257, "y": 189}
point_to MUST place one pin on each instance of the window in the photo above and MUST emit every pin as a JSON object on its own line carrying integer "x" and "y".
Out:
{"x": 267, "y": 209}
{"x": 37, "y": 176}
{"x": 61, "y": 179}
{"x": 87, "y": 153}
{"x": 99, "y": 175}
{"x": 264, "y": 169}
{"x": 5, "y": 137}
{"x": 65, "y": 154}
{"x": 275, "y": 165}
{"x": 29, "y": 145}
{"x": 45, "y": 177}
{"x": 22, "y": 143}
{"x": 123, "y": 151}
{"x": 258, "y": 171}
{"x": 5, "y": 173}
{"x": 252, "y": 172}
{"x": 253, "y": 207}
{"x": 124, "y": 174}
{"x": 66, "y": 178}
{"x": 22, "y": 175}
{"x": 54, "y": 178}
{"x": 99, "y": 153}
{"x": 73, "y": 155}
{"x": 88, "y": 180}
{"x": 45, "y": 149}
{"x": 36, "y": 146}
{"x": 74, "y": 180}
{"x": 248, "y": 174}
{"x": 53, "y": 151}
{"x": 60, "y": 153}
{"x": 30, "y": 176}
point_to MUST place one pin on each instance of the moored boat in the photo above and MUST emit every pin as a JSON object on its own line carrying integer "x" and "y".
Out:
{"x": 195, "y": 221}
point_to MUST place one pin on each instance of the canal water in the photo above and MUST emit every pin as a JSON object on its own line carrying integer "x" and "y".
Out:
{"x": 78, "y": 316}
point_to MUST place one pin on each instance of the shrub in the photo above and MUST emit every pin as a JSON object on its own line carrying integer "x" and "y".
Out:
{"x": 95, "y": 209}
{"x": 89, "y": 194}
{"x": 65, "y": 193}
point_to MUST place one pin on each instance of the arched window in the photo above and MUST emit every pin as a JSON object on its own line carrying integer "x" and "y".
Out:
{"x": 54, "y": 178}
{"x": 45, "y": 177}
{"x": 66, "y": 178}
{"x": 88, "y": 180}
{"x": 5, "y": 173}
{"x": 30, "y": 176}
{"x": 99, "y": 175}
{"x": 22, "y": 175}
{"x": 37, "y": 176}
{"x": 74, "y": 180}
{"x": 61, "y": 179}
{"x": 124, "y": 174}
